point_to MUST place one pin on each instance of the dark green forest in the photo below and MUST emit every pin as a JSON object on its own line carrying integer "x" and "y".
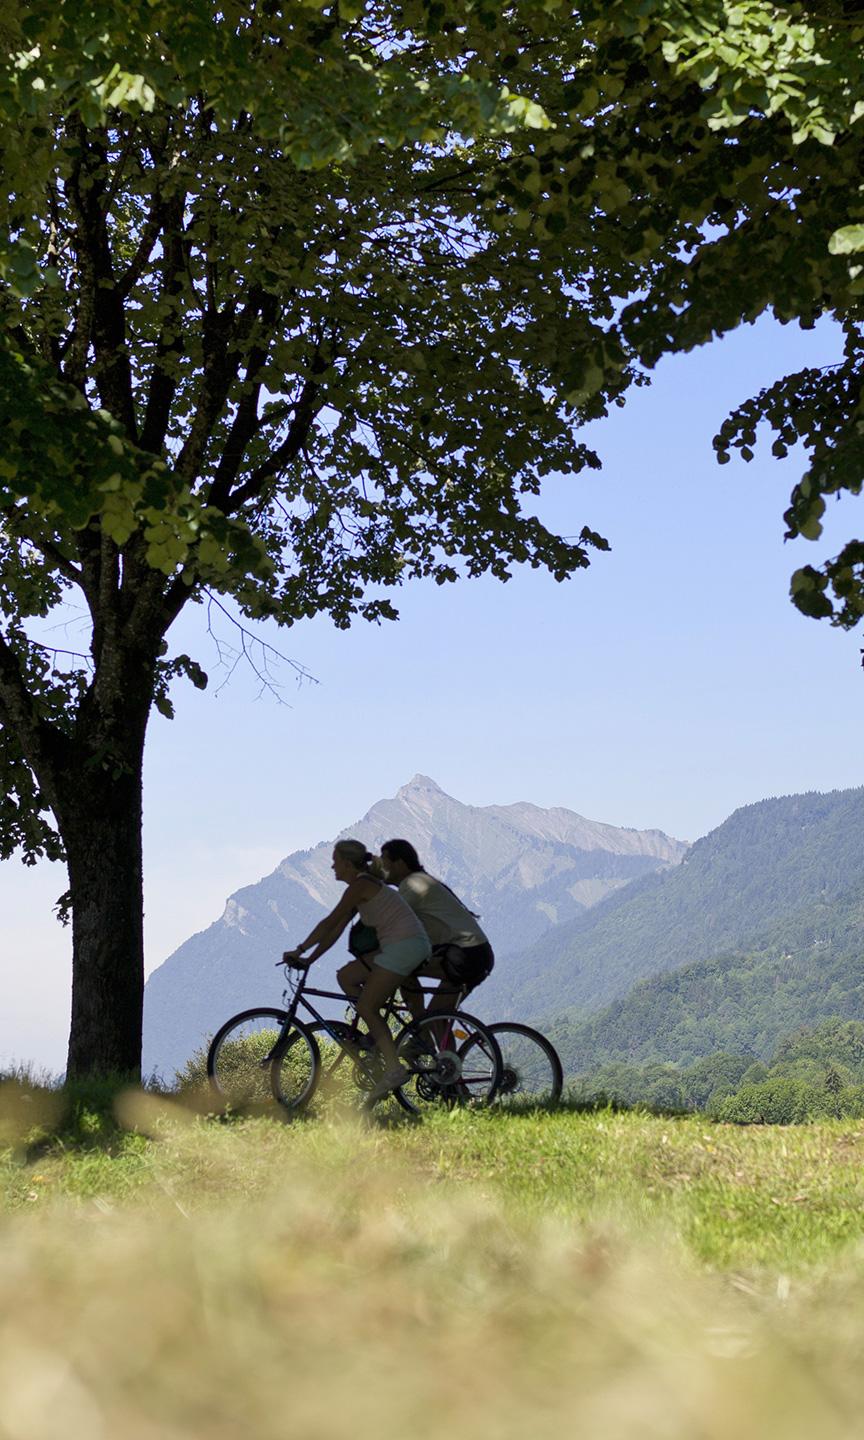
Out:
{"x": 816, "y": 1073}
{"x": 732, "y": 984}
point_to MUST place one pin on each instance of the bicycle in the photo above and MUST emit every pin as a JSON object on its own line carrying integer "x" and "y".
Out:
{"x": 265, "y": 1054}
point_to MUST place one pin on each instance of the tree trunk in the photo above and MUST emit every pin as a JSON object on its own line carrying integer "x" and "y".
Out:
{"x": 100, "y": 823}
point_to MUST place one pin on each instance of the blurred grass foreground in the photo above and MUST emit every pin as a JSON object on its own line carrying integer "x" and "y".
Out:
{"x": 164, "y": 1276}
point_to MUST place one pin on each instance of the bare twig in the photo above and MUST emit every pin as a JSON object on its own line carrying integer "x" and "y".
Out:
{"x": 250, "y": 645}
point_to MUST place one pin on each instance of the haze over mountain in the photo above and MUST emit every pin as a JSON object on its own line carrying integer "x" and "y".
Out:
{"x": 777, "y": 879}
{"x": 521, "y": 867}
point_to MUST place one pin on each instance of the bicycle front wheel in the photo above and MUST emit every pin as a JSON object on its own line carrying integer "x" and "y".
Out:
{"x": 295, "y": 1067}
{"x": 453, "y": 1059}
{"x": 532, "y": 1072}
{"x": 238, "y": 1061}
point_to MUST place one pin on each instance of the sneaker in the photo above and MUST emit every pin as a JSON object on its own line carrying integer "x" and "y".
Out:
{"x": 417, "y": 1052}
{"x": 390, "y": 1080}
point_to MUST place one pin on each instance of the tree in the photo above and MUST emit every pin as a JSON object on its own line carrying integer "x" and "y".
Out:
{"x": 300, "y": 301}
{"x": 719, "y": 144}
{"x": 780, "y": 228}
{"x": 264, "y": 336}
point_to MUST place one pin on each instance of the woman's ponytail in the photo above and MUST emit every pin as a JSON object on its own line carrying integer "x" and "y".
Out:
{"x": 355, "y": 852}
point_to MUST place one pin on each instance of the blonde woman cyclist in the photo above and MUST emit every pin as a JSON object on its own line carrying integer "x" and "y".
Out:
{"x": 404, "y": 945}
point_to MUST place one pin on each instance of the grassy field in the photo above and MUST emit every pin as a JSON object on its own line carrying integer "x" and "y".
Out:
{"x": 614, "y": 1275}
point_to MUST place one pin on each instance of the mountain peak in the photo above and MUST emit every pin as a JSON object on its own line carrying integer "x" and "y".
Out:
{"x": 421, "y": 783}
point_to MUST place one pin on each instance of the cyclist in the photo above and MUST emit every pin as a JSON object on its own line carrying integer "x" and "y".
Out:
{"x": 403, "y": 945}
{"x": 462, "y": 957}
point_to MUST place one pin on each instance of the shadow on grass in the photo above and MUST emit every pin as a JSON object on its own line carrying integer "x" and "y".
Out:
{"x": 38, "y": 1117}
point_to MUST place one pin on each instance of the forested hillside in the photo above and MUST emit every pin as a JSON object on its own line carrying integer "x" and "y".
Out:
{"x": 742, "y": 1002}
{"x": 778, "y": 863}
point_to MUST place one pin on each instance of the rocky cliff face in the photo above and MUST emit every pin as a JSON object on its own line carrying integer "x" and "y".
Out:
{"x": 522, "y": 868}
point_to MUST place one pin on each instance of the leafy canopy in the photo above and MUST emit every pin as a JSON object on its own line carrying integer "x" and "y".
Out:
{"x": 301, "y": 301}
{"x": 264, "y": 335}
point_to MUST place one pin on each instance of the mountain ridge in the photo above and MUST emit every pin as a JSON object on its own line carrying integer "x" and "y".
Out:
{"x": 732, "y": 889}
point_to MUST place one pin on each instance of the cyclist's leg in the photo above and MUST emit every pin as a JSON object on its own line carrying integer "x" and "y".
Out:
{"x": 379, "y": 986}
{"x": 411, "y": 991}
{"x": 353, "y": 976}
{"x": 412, "y": 994}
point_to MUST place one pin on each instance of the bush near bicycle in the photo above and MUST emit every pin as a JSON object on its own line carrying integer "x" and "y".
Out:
{"x": 403, "y": 945}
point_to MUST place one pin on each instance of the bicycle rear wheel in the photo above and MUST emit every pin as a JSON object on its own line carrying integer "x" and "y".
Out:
{"x": 532, "y": 1073}
{"x": 454, "y": 1060}
{"x": 238, "y": 1061}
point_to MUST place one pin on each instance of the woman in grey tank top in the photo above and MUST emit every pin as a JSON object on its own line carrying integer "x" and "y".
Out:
{"x": 404, "y": 946}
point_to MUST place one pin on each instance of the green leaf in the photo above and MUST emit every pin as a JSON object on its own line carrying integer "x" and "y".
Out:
{"x": 848, "y": 240}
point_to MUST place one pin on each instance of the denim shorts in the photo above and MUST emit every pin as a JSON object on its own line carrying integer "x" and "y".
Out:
{"x": 403, "y": 956}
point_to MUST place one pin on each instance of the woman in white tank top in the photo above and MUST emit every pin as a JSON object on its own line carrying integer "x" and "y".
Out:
{"x": 404, "y": 945}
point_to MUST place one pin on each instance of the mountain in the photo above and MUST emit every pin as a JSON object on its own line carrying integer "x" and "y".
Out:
{"x": 520, "y": 867}
{"x": 732, "y": 892}
{"x": 741, "y": 1003}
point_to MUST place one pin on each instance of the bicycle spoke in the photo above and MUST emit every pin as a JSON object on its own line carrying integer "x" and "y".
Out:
{"x": 436, "y": 1049}
{"x": 295, "y": 1067}
{"x": 348, "y": 1065}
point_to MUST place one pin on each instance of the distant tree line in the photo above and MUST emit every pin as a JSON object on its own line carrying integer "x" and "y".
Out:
{"x": 816, "y": 1073}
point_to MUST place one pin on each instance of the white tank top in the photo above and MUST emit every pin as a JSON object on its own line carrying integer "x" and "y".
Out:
{"x": 391, "y": 917}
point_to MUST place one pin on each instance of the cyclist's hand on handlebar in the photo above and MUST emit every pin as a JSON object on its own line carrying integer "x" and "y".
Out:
{"x": 291, "y": 957}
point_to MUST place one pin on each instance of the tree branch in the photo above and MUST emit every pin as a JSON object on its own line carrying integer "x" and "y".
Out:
{"x": 305, "y": 412}
{"x": 246, "y": 422}
{"x": 163, "y": 385}
{"x": 52, "y": 552}
{"x": 156, "y": 219}
{"x": 248, "y": 642}
{"x": 107, "y": 328}
{"x": 224, "y": 333}
{"x": 12, "y": 514}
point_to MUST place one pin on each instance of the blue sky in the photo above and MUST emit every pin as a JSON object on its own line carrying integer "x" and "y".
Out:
{"x": 664, "y": 687}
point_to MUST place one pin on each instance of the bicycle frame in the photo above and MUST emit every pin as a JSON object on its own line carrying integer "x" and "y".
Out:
{"x": 333, "y": 1027}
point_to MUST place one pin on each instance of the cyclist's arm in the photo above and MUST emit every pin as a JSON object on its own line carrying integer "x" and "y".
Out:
{"x": 327, "y": 931}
